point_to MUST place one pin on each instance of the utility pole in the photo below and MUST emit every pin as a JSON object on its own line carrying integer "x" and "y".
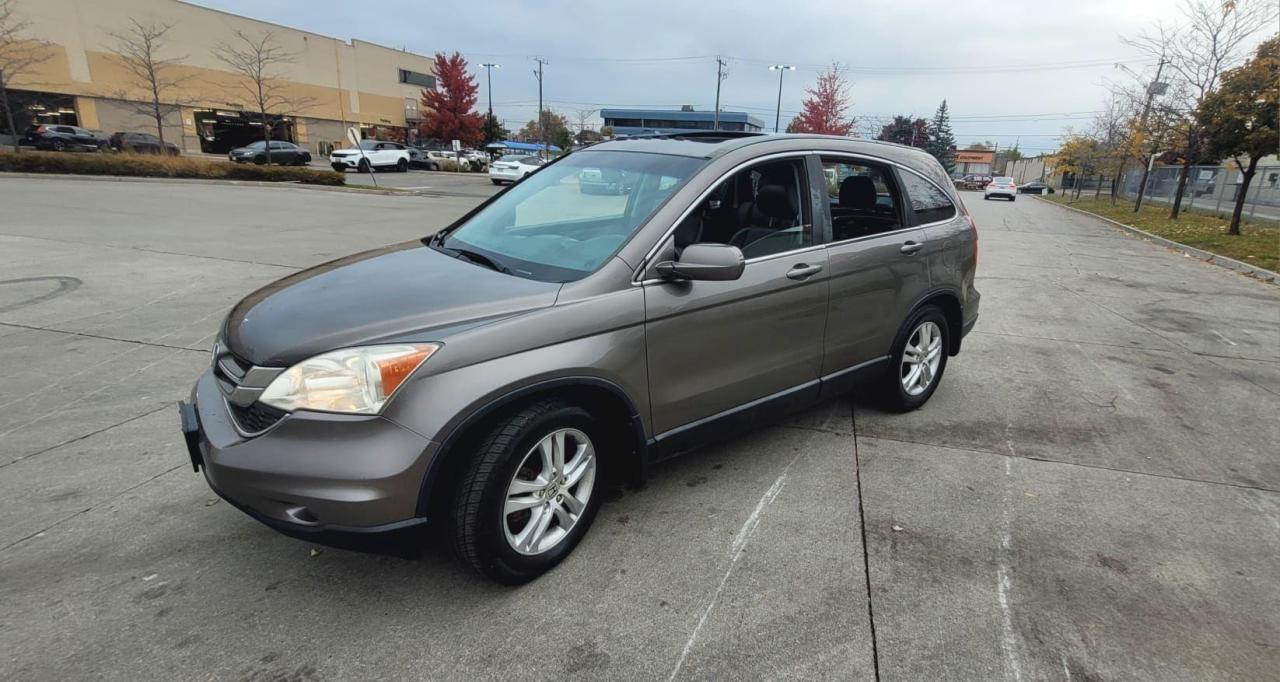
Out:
{"x": 1156, "y": 87}
{"x": 780, "y": 68}
{"x": 542, "y": 128}
{"x": 719, "y": 79}
{"x": 488, "y": 68}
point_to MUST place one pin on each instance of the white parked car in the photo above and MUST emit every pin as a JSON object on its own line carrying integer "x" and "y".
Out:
{"x": 1001, "y": 187}
{"x": 377, "y": 154}
{"x": 512, "y": 168}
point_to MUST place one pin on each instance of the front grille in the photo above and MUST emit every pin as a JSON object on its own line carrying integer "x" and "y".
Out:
{"x": 256, "y": 417}
{"x": 241, "y": 382}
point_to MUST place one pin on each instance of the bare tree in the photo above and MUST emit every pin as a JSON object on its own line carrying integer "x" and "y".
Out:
{"x": 258, "y": 60}
{"x": 139, "y": 50}
{"x": 1212, "y": 39}
{"x": 583, "y": 116}
{"x": 18, "y": 54}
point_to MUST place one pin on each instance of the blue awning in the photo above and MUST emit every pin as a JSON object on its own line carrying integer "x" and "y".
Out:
{"x": 520, "y": 146}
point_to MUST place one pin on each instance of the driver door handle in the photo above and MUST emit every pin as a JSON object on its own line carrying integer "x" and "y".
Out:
{"x": 803, "y": 271}
{"x": 910, "y": 248}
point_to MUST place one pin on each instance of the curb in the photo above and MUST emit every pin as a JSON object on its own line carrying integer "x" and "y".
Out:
{"x": 1211, "y": 258}
{"x": 387, "y": 191}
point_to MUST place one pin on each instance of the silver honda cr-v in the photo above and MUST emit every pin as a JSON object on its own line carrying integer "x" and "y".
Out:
{"x": 490, "y": 379}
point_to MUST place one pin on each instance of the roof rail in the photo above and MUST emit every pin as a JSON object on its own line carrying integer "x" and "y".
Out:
{"x": 697, "y": 135}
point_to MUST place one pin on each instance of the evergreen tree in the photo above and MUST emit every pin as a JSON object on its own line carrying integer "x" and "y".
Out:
{"x": 493, "y": 130}
{"x": 942, "y": 143}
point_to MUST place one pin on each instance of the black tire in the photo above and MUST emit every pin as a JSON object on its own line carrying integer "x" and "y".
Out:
{"x": 890, "y": 394}
{"x": 58, "y": 145}
{"x": 986, "y": 197}
{"x": 478, "y": 533}
{"x": 338, "y": 168}
{"x": 259, "y": 160}
{"x": 496, "y": 182}
{"x": 363, "y": 166}
{"x": 402, "y": 166}
{"x": 1013, "y": 198}
{"x": 433, "y": 166}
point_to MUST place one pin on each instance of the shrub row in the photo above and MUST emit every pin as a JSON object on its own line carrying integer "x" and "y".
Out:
{"x": 134, "y": 165}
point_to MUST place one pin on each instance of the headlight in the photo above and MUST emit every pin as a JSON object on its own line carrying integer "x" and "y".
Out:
{"x": 354, "y": 380}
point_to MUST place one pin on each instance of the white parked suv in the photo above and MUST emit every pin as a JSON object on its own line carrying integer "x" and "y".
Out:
{"x": 1001, "y": 187}
{"x": 377, "y": 154}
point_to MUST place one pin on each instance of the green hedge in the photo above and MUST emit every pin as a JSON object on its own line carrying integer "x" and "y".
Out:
{"x": 134, "y": 165}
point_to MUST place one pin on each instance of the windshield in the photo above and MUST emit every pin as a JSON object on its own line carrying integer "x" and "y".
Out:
{"x": 550, "y": 227}
{"x": 1003, "y": 181}
{"x": 256, "y": 145}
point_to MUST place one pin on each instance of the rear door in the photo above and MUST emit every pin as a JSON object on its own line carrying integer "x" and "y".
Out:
{"x": 877, "y": 267}
{"x": 715, "y": 347}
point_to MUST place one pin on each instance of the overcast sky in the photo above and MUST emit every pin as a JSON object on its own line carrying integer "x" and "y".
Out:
{"x": 992, "y": 61}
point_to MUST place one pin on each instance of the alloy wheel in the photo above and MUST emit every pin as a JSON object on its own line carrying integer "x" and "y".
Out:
{"x": 549, "y": 492}
{"x": 920, "y": 358}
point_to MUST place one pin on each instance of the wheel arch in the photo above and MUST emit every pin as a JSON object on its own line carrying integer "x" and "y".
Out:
{"x": 602, "y": 397}
{"x": 948, "y": 299}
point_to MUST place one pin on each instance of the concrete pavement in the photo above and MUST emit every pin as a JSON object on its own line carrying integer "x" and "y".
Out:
{"x": 1093, "y": 492}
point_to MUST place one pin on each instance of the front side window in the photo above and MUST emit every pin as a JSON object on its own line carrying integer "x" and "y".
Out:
{"x": 929, "y": 203}
{"x": 863, "y": 198}
{"x": 763, "y": 210}
{"x": 553, "y": 227}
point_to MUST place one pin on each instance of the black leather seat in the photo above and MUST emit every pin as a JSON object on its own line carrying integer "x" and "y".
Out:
{"x": 859, "y": 212}
{"x": 774, "y": 209}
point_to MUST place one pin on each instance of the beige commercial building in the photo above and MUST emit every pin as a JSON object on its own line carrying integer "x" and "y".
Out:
{"x": 330, "y": 83}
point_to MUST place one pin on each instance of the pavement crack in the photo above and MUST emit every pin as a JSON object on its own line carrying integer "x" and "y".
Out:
{"x": 866, "y": 553}
{"x": 87, "y": 435}
{"x": 1098, "y": 467}
{"x": 98, "y": 336}
{"x": 86, "y": 510}
{"x": 156, "y": 251}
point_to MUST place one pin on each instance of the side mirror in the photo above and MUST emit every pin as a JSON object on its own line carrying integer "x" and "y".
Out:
{"x": 707, "y": 262}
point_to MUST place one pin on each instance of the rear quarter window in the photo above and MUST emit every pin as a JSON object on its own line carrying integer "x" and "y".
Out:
{"x": 927, "y": 201}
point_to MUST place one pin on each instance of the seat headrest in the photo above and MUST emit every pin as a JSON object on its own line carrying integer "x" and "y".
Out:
{"x": 858, "y": 191}
{"x": 776, "y": 202}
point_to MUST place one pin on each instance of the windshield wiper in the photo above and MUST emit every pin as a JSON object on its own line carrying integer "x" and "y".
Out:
{"x": 478, "y": 258}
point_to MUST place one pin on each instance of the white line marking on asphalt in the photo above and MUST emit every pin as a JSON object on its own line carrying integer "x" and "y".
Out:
{"x": 1215, "y": 331}
{"x": 735, "y": 553}
{"x": 1004, "y": 584}
{"x": 1065, "y": 670}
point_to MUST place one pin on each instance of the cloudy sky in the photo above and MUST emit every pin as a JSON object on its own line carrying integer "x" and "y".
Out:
{"x": 1010, "y": 71}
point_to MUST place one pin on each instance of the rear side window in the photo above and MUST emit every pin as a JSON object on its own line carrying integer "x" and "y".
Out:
{"x": 862, "y": 196}
{"x": 929, "y": 203}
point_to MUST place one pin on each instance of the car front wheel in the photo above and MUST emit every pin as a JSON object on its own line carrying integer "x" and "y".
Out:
{"x": 918, "y": 361}
{"x": 529, "y": 493}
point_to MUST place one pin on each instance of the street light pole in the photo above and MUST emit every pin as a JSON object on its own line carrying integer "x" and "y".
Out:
{"x": 780, "y": 68}
{"x": 488, "y": 68}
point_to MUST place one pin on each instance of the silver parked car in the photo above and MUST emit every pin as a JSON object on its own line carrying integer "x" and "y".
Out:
{"x": 492, "y": 378}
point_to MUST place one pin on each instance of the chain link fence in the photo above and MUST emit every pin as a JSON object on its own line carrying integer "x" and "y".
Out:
{"x": 1210, "y": 189}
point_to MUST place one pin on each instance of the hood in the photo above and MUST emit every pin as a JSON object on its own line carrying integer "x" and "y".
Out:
{"x": 397, "y": 293}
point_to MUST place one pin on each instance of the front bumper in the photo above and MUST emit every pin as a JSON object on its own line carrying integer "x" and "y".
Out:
{"x": 341, "y": 480}
{"x": 348, "y": 161}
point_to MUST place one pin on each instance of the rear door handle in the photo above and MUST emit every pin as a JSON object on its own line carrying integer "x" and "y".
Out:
{"x": 910, "y": 248}
{"x": 803, "y": 271}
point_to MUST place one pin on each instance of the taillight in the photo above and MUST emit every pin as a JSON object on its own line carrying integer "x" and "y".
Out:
{"x": 39, "y": 130}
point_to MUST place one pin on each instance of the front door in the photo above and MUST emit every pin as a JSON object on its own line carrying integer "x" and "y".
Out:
{"x": 715, "y": 347}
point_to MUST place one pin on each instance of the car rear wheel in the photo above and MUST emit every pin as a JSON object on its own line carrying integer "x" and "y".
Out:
{"x": 919, "y": 358}
{"x": 529, "y": 493}
{"x": 363, "y": 166}
{"x": 58, "y": 145}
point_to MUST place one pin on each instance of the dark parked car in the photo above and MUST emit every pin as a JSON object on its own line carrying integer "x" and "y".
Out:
{"x": 283, "y": 153}
{"x": 493, "y": 378}
{"x": 1035, "y": 187}
{"x": 57, "y": 137}
{"x": 142, "y": 143}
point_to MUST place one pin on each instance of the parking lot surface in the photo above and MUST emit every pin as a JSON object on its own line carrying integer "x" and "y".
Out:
{"x": 1092, "y": 493}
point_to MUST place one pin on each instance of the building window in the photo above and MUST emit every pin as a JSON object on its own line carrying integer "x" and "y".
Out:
{"x": 415, "y": 78}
